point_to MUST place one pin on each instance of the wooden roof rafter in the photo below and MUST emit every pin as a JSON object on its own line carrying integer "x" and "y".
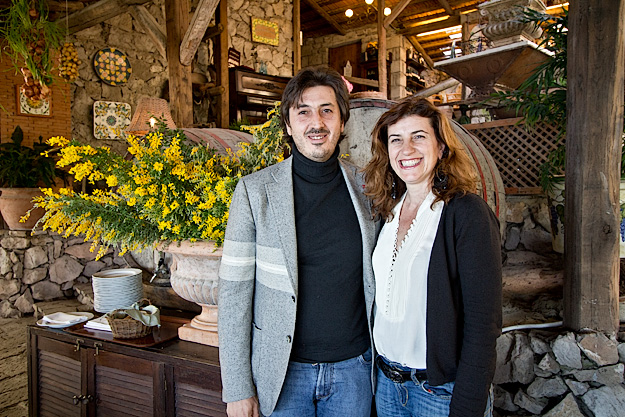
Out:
{"x": 98, "y": 13}
{"x": 326, "y": 16}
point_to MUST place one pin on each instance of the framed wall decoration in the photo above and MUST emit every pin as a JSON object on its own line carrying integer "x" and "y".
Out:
{"x": 264, "y": 31}
{"x": 28, "y": 107}
{"x": 112, "y": 66}
{"x": 110, "y": 120}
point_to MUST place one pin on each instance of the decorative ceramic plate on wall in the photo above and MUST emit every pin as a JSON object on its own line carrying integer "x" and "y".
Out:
{"x": 110, "y": 119}
{"x": 112, "y": 66}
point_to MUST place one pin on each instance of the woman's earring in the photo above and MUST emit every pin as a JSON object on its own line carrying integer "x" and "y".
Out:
{"x": 440, "y": 180}
{"x": 393, "y": 191}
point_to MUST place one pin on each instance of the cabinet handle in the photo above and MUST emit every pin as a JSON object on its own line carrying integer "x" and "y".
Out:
{"x": 86, "y": 399}
{"x": 97, "y": 346}
{"x": 78, "y": 342}
{"x": 76, "y": 399}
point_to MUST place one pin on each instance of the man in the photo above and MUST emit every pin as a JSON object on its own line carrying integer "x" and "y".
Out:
{"x": 296, "y": 287}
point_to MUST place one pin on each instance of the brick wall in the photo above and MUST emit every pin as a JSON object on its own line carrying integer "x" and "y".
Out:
{"x": 59, "y": 123}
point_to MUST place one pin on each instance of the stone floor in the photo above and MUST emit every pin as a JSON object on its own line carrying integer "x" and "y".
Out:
{"x": 532, "y": 288}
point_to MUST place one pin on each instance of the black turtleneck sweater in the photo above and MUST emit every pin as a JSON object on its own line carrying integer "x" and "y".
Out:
{"x": 331, "y": 323}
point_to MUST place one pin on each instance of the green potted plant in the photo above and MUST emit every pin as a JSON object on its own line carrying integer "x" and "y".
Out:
{"x": 32, "y": 42}
{"x": 22, "y": 170}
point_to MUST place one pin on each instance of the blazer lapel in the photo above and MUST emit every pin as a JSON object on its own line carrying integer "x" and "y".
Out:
{"x": 361, "y": 205}
{"x": 282, "y": 204}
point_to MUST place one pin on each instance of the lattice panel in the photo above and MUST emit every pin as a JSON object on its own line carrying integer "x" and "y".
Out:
{"x": 517, "y": 151}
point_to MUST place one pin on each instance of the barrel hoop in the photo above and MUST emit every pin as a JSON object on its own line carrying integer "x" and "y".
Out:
{"x": 492, "y": 169}
{"x": 479, "y": 169}
{"x": 221, "y": 142}
{"x": 242, "y": 138}
{"x": 492, "y": 172}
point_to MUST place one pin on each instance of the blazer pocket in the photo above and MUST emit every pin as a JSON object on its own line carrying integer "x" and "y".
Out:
{"x": 257, "y": 349}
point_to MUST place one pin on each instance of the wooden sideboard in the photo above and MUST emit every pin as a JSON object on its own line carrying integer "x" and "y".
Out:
{"x": 77, "y": 376}
{"x": 251, "y": 94}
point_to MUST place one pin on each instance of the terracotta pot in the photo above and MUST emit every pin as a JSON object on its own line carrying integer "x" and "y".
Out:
{"x": 15, "y": 202}
{"x": 194, "y": 277}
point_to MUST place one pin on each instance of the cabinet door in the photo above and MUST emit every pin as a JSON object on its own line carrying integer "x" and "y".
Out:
{"x": 57, "y": 381}
{"x": 198, "y": 392}
{"x": 126, "y": 386}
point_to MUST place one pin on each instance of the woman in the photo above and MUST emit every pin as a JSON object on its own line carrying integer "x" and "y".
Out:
{"x": 437, "y": 266}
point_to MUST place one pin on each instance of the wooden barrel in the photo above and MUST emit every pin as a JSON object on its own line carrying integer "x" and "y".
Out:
{"x": 221, "y": 140}
{"x": 364, "y": 113}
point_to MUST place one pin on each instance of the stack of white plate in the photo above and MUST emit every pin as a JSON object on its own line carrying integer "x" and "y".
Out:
{"x": 116, "y": 288}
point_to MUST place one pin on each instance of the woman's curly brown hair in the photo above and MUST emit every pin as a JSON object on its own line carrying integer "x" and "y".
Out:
{"x": 454, "y": 168}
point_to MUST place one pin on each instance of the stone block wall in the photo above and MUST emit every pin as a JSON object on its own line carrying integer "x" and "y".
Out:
{"x": 46, "y": 266}
{"x": 528, "y": 226}
{"x": 559, "y": 373}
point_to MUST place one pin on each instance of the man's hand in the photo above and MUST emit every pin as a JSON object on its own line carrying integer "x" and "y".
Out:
{"x": 243, "y": 408}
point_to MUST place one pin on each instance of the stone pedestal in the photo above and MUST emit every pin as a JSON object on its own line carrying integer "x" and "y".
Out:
{"x": 203, "y": 328}
{"x": 194, "y": 277}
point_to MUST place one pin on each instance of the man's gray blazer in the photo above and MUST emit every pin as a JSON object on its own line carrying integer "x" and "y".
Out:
{"x": 258, "y": 281}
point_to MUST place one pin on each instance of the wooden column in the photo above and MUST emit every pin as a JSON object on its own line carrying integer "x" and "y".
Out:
{"x": 593, "y": 150}
{"x": 180, "y": 98}
{"x": 382, "y": 77}
{"x": 297, "y": 27}
{"x": 221, "y": 66}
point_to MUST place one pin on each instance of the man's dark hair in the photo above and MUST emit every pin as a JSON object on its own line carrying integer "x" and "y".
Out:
{"x": 313, "y": 77}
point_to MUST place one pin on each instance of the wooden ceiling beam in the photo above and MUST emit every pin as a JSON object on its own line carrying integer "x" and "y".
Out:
{"x": 145, "y": 19}
{"x": 415, "y": 30}
{"x": 396, "y": 12}
{"x": 326, "y": 16}
{"x": 195, "y": 33}
{"x": 417, "y": 46}
{"x": 447, "y": 8}
{"x": 97, "y": 13}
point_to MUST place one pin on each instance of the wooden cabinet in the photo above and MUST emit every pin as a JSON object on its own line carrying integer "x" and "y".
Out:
{"x": 79, "y": 376}
{"x": 251, "y": 94}
{"x": 369, "y": 70}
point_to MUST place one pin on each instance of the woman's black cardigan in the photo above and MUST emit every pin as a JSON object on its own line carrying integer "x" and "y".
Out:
{"x": 464, "y": 307}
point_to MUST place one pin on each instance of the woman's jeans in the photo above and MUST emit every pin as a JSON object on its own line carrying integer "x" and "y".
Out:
{"x": 415, "y": 398}
{"x": 327, "y": 389}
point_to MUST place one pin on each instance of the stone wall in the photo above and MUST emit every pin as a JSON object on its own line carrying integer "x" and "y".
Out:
{"x": 46, "y": 266}
{"x": 528, "y": 226}
{"x": 559, "y": 374}
{"x": 149, "y": 68}
{"x": 278, "y": 59}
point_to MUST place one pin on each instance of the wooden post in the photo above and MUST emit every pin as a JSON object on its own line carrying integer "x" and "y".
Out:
{"x": 593, "y": 150}
{"x": 180, "y": 98}
{"x": 297, "y": 27}
{"x": 382, "y": 78}
{"x": 221, "y": 66}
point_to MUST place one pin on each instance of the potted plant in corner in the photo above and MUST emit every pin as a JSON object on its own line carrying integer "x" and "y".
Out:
{"x": 22, "y": 170}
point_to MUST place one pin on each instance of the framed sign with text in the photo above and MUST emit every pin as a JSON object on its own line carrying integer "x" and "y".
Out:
{"x": 264, "y": 32}
{"x": 28, "y": 107}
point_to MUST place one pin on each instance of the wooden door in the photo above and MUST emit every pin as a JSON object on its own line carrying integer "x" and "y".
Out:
{"x": 56, "y": 383}
{"x": 340, "y": 55}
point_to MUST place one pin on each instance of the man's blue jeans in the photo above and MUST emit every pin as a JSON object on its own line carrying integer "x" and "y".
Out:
{"x": 415, "y": 398}
{"x": 339, "y": 389}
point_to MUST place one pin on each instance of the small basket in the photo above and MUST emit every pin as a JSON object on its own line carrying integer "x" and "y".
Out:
{"x": 127, "y": 327}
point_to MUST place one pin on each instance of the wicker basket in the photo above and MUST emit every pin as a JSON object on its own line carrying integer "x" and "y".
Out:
{"x": 127, "y": 327}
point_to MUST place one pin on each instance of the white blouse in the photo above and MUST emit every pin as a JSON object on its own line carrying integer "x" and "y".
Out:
{"x": 401, "y": 285}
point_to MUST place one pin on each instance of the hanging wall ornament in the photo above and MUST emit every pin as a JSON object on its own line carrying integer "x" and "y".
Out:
{"x": 112, "y": 66}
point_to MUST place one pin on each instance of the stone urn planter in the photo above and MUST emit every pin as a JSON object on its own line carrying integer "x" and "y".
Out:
{"x": 504, "y": 25}
{"x": 15, "y": 202}
{"x": 194, "y": 277}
